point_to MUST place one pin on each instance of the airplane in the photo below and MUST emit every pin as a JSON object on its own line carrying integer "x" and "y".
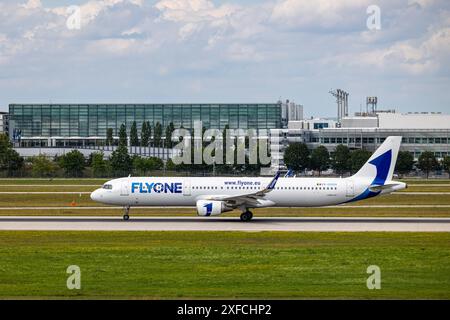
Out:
{"x": 213, "y": 196}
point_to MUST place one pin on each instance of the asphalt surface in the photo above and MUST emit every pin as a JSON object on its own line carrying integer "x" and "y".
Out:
{"x": 325, "y": 224}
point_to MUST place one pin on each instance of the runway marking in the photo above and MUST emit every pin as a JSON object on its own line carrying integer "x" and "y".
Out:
{"x": 192, "y": 207}
{"x": 420, "y": 193}
{"x": 51, "y": 185}
{"x": 322, "y": 224}
{"x": 44, "y": 192}
{"x": 429, "y": 185}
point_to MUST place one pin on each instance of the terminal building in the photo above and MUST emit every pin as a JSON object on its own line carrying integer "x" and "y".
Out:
{"x": 56, "y": 128}
{"x": 81, "y": 125}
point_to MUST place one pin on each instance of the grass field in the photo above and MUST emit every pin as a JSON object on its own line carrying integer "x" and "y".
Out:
{"x": 78, "y": 186}
{"x": 175, "y": 265}
{"x": 224, "y": 264}
{"x": 266, "y": 212}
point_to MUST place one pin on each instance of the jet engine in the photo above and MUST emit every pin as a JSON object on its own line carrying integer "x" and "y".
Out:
{"x": 211, "y": 208}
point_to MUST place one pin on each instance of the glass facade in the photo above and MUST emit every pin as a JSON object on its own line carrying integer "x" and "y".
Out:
{"x": 93, "y": 120}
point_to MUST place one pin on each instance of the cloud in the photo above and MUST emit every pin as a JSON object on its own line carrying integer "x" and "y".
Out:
{"x": 194, "y": 16}
{"x": 32, "y": 4}
{"x": 428, "y": 55}
{"x": 320, "y": 14}
{"x": 193, "y": 10}
{"x": 205, "y": 47}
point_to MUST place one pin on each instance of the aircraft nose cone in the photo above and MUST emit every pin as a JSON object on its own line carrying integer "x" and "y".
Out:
{"x": 95, "y": 196}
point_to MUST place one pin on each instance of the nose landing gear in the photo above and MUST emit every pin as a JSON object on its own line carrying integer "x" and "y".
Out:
{"x": 126, "y": 217}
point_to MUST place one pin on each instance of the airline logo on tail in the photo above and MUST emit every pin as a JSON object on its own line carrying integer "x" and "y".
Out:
{"x": 383, "y": 165}
{"x": 384, "y": 162}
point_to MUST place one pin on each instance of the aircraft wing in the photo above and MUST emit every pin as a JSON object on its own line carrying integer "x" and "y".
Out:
{"x": 250, "y": 199}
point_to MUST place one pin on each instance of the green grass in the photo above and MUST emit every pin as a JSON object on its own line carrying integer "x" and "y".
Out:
{"x": 65, "y": 188}
{"x": 224, "y": 264}
{"x": 426, "y": 181}
{"x": 57, "y": 200}
{"x": 53, "y": 181}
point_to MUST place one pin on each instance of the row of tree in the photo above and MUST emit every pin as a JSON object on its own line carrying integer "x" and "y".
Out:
{"x": 298, "y": 157}
{"x": 150, "y": 136}
{"x": 74, "y": 164}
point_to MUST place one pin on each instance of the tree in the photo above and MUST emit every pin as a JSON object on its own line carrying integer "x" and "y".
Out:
{"x": 134, "y": 139}
{"x": 120, "y": 161}
{"x": 170, "y": 165}
{"x": 155, "y": 163}
{"x": 138, "y": 164}
{"x": 123, "y": 136}
{"x": 320, "y": 159}
{"x": 358, "y": 158}
{"x": 146, "y": 133}
{"x": 427, "y": 162}
{"x": 405, "y": 162}
{"x": 99, "y": 165}
{"x": 42, "y": 166}
{"x": 169, "y": 130}
{"x": 10, "y": 160}
{"x": 73, "y": 163}
{"x": 144, "y": 165}
{"x": 446, "y": 164}
{"x": 296, "y": 156}
{"x": 157, "y": 134}
{"x": 109, "y": 137}
{"x": 341, "y": 159}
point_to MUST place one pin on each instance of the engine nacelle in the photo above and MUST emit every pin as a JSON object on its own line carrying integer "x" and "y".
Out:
{"x": 207, "y": 208}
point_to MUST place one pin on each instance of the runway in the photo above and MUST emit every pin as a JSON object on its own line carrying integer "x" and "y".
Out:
{"x": 323, "y": 224}
{"x": 380, "y": 206}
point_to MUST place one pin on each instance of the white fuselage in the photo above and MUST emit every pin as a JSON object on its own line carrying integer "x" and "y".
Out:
{"x": 186, "y": 191}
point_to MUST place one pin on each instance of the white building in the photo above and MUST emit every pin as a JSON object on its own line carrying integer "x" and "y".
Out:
{"x": 290, "y": 112}
{"x": 420, "y": 131}
{"x": 392, "y": 120}
{"x": 3, "y": 123}
{"x": 413, "y": 121}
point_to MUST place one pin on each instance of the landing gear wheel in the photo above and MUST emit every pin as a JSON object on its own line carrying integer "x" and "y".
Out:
{"x": 246, "y": 216}
{"x": 126, "y": 217}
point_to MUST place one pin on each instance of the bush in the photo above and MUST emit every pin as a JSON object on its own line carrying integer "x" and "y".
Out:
{"x": 43, "y": 167}
{"x": 73, "y": 163}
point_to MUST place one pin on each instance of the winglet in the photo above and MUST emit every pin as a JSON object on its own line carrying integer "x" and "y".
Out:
{"x": 289, "y": 174}
{"x": 272, "y": 183}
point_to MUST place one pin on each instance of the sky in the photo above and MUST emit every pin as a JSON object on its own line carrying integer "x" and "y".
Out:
{"x": 201, "y": 51}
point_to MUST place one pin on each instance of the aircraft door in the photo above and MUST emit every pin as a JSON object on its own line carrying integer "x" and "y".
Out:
{"x": 350, "y": 188}
{"x": 124, "y": 189}
{"x": 187, "y": 187}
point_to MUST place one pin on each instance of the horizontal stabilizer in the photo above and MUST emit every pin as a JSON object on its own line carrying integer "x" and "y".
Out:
{"x": 378, "y": 188}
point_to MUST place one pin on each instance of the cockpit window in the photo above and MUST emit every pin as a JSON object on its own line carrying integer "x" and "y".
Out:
{"x": 107, "y": 186}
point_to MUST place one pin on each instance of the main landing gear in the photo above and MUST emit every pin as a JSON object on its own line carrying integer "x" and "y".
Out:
{"x": 126, "y": 217}
{"x": 246, "y": 216}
